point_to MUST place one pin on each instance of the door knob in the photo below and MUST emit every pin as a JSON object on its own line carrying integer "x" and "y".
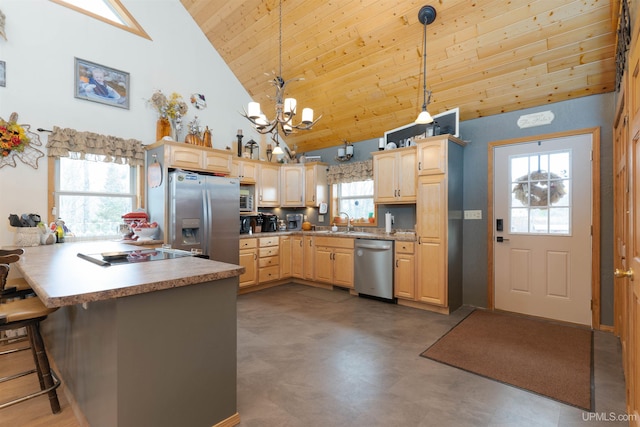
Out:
{"x": 622, "y": 273}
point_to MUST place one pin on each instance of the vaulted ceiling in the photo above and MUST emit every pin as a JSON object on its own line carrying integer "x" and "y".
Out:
{"x": 361, "y": 60}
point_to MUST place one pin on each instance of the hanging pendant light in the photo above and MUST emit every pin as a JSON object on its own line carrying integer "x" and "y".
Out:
{"x": 426, "y": 16}
{"x": 286, "y": 108}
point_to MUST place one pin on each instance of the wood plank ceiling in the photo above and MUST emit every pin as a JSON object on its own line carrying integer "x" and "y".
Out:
{"x": 361, "y": 60}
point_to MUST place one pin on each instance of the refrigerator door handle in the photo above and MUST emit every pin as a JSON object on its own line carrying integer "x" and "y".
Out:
{"x": 206, "y": 213}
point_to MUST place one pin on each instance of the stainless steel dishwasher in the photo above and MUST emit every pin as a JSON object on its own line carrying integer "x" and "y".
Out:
{"x": 373, "y": 268}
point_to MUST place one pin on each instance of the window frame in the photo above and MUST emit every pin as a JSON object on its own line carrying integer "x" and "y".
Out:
{"x": 137, "y": 183}
{"x": 118, "y": 8}
{"x": 335, "y": 203}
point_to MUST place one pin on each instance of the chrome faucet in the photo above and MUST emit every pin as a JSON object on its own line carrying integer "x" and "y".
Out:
{"x": 349, "y": 227}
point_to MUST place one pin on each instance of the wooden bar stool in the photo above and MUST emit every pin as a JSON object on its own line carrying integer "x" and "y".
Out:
{"x": 18, "y": 286}
{"x": 28, "y": 313}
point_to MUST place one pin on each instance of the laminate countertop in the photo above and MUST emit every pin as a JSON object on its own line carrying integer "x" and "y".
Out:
{"x": 401, "y": 236}
{"x": 61, "y": 278}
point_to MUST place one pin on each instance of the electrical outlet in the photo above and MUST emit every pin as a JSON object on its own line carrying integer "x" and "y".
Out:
{"x": 320, "y": 218}
{"x": 476, "y": 214}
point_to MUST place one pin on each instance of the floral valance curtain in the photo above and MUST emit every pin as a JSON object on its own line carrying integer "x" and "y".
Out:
{"x": 92, "y": 146}
{"x": 350, "y": 172}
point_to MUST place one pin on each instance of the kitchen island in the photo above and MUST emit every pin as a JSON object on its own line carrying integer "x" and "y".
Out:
{"x": 140, "y": 344}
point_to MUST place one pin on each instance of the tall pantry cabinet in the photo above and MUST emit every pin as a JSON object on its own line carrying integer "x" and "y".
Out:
{"x": 439, "y": 222}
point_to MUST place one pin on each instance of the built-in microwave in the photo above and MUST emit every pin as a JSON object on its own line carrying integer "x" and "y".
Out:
{"x": 246, "y": 201}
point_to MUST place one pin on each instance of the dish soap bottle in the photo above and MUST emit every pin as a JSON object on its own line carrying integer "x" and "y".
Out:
{"x": 334, "y": 228}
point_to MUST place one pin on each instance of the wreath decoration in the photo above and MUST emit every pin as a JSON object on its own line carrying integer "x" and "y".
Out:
{"x": 17, "y": 141}
{"x": 540, "y": 188}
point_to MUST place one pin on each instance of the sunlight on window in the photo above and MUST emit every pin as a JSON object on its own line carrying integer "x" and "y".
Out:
{"x": 91, "y": 197}
{"x": 99, "y": 7}
{"x": 109, "y": 11}
{"x": 356, "y": 199}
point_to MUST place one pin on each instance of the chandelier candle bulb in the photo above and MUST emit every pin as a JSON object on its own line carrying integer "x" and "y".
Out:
{"x": 307, "y": 115}
{"x": 254, "y": 110}
{"x": 290, "y": 107}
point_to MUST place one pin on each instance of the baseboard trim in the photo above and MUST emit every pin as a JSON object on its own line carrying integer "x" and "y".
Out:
{"x": 233, "y": 420}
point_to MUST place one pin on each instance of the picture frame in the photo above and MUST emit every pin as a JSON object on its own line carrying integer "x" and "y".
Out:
{"x": 102, "y": 84}
{"x": 3, "y": 74}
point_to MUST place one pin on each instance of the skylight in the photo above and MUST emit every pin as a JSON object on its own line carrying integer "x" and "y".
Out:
{"x": 109, "y": 11}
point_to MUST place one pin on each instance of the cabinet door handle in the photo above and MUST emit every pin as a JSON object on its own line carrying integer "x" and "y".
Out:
{"x": 396, "y": 263}
{"x": 398, "y": 192}
{"x": 419, "y": 166}
{"x": 255, "y": 257}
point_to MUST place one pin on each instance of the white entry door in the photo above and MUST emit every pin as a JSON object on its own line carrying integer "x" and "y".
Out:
{"x": 542, "y": 230}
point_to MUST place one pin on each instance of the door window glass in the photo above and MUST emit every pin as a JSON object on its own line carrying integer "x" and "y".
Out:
{"x": 540, "y": 188}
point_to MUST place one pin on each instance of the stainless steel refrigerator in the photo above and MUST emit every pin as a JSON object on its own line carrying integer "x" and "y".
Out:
{"x": 203, "y": 214}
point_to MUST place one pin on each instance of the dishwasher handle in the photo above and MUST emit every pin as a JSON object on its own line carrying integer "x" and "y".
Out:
{"x": 381, "y": 246}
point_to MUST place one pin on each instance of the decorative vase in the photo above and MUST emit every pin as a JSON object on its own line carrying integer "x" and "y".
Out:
{"x": 163, "y": 128}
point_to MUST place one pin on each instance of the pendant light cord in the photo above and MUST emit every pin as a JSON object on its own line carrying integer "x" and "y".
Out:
{"x": 424, "y": 63}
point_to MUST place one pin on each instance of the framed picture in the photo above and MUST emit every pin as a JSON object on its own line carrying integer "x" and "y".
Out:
{"x": 3, "y": 74}
{"x": 95, "y": 82}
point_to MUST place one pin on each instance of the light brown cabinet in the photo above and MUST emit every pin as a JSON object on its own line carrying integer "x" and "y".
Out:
{"x": 439, "y": 222}
{"x": 268, "y": 259}
{"x": 308, "y": 253}
{"x": 285, "y": 257}
{"x": 249, "y": 260}
{"x": 432, "y": 156}
{"x": 404, "y": 275}
{"x": 394, "y": 176}
{"x": 245, "y": 170}
{"x": 268, "y": 185}
{"x": 184, "y": 156}
{"x": 334, "y": 260}
{"x": 297, "y": 257}
{"x": 292, "y": 185}
{"x": 316, "y": 189}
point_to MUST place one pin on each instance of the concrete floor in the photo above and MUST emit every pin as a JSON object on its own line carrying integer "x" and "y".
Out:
{"x": 311, "y": 357}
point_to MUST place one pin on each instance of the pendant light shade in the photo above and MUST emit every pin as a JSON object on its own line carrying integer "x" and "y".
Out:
{"x": 426, "y": 16}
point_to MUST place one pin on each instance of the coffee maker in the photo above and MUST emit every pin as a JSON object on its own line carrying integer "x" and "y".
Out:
{"x": 294, "y": 222}
{"x": 269, "y": 222}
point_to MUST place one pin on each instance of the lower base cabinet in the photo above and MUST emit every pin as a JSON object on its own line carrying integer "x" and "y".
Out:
{"x": 404, "y": 275}
{"x": 334, "y": 261}
{"x": 249, "y": 260}
{"x": 297, "y": 257}
{"x": 285, "y": 257}
{"x": 268, "y": 259}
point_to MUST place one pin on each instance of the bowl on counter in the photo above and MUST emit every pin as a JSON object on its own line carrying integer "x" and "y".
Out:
{"x": 145, "y": 233}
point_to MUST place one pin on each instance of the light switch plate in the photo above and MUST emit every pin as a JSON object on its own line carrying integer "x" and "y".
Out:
{"x": 321, "y": 218}
{"x": 475, "y": 214}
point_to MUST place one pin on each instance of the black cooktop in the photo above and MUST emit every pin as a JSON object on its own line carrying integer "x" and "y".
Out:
{"x": 106, "y": 259}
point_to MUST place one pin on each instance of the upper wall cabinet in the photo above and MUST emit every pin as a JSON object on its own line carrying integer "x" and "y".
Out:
{"x": 315, "y": 184}
{"x": 394, "y": 176}
{"x": 245, "y": 170}
{"x": 292, "y": 186}
{"x": 268, "y": 185}
{"x": 188, "y": 157}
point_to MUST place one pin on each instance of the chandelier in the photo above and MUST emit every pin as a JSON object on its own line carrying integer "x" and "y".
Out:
{"x": 286, "y": 108}
{"x": 426, "y": 16}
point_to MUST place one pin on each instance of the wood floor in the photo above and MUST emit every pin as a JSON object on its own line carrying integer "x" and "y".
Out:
{"x": 34, "y": 412}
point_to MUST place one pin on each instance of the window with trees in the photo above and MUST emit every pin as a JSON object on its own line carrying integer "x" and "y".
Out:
{"x": 92, "y": 196}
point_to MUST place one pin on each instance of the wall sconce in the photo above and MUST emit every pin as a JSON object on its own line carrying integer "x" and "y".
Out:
{"x": 269, "y": 152}
{"x": 345, "y": 153}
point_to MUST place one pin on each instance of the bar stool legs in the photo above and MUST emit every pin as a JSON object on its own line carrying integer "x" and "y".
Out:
{"x": 48, "y": 380}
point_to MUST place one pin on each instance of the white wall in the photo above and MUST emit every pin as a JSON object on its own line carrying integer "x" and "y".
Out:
{"x": 42, "y": 40}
